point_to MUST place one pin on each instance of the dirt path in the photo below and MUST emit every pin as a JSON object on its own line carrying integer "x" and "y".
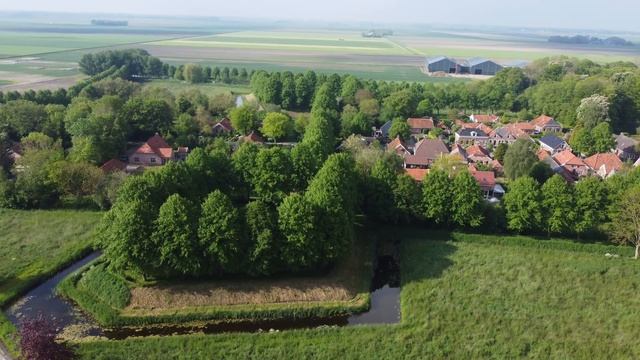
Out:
{"x": 22, "y": 82}
{"x": 4, "y": 353}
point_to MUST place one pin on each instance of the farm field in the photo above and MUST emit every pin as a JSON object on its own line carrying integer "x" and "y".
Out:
{"x": 36, "y": 244}
{"x": 463, "y": 296}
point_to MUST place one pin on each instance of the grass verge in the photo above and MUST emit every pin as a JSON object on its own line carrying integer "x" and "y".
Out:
{"x": 36, "y": 245}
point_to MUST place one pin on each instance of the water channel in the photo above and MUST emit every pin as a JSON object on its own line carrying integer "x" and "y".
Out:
{"x": 385, "y": 309}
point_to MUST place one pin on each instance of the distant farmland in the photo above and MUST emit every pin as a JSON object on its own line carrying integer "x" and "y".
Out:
{"x": 52, "y": 51}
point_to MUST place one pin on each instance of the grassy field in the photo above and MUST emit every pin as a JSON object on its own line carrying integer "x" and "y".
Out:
{"x": 344, "y": 290}
{"x": 463, "y": 296}
{"x": 35, "y": 244}
{"x": 176, "y": 87}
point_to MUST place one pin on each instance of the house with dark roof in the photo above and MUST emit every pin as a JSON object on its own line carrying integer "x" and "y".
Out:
{"x": 156, "y": 151}
{"x": 552, "y": 144}
{"x": 471, "y": 136}
{"x": 420, "y": 125}
{"x": 626, "y": 148}
{"x": 222, "y": 127}
{"x": 508, "y": 134}
{"x": 425, "y": 153}
{"x": 383, "y": 131}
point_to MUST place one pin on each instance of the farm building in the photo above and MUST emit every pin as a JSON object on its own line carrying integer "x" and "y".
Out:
{"x": 474, "y": 66}
{"x": 479, "y": 66}
{"x": 442, "y": 64}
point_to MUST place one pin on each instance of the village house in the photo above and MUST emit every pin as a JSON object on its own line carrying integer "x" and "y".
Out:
{"x": 425, "y": 153}
{"x": 471, "y": 137}
{"x": 383, "y": 131}
{"x": 253, "y": 137}
{"x": 487, "y": 182}
{"x": 552, "y": 144}
{"x": 544, "y": 123}
{"x": 459, "y": 151}
{"x": 398, "y": 146}
{"x": 417, "y": 174}
{"x": 155, "y": 152}
{"x": 573, "y": 165}
{"x": 420, "y": 125}
{"x": 478, "y": 155}
{"x": 604, "y": 165}
{"x": 626, "y": 148}
{"x": 222, "y": 127}
{"x": 510, "y": 133}
{"x": 113, "y": 165}
{"x": 485, "y": 119}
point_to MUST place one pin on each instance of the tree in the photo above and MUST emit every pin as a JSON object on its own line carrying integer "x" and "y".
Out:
{"x": 272, "y": 175}
{"x": 500, "y": 151}
{"x": 146, "y": 117}
{"x": 265, "y": 249}
{"x": 297, "y": 223}
{"x": 625, "y": 226}
{"x": 277, "y": 125}
{"x": 519, "y": 158}
{"x": 541, "y": 172}
{"x": 38, "y": 341}
{"x": 407, "y": 197}
{"x": 592, "y": 111}
{"x": 401, "y": 104}
{"x": 219, "y": 232}
{"x": 194, "y": 73}
{"x": 559, "y": 205}
{"x": 350, "y": 86}
{"x": 603, "y": 140}
{"x": 424, "y": 108}
{"x": 76, "y": 179}
{"x": 590, "y": 200}
{"x": 370, "y": 107}
{"x": 20, "y": 117}
{"x": 244, "y": 119}
{"x": 288, "y": 94}
{"x": 175, "y": 237}
{"x": 220, "y": 103}
{"x": 399, "y": 127}
{"x": 523, "y": 204}
{"x": 437, "y": 197}
{"x": 466, "y": 209}
{"x": 356, "y": 124}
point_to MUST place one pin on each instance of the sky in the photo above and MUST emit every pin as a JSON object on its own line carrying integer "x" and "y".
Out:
{"x": 579, "y": 14}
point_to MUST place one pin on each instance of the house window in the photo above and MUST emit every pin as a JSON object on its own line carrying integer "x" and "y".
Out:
{"x": 136, "y": 159}
{"x": 478, "y": 72}
{"x": 153, "y": 160}
{"x": 452, "y": 70}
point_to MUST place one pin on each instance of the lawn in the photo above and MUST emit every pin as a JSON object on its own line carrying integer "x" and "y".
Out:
{"x": 36, "y": 244}
{"x": 176, "y": 87}
{"x": 462, "y": 297}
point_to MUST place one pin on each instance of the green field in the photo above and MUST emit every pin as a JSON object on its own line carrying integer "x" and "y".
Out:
{"x": 176, "y": 87}
{"x": 36, "y": 244}
{"x": 463, "y": 296}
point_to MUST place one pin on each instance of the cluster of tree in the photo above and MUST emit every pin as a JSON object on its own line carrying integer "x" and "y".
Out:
{"x": 553, "y": 86}
{"x": 590, "y": 40}
{"x": 214, "y": 214}
{"x": 136, "y": 63}
{"x": 195, "y": 73}
{"x": 592, "y": 133}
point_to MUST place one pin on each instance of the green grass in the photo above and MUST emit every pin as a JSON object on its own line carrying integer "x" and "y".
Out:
{"x": 5, "y": 82}
{"x": 463, "y": 297}
{"x": 176, "y": 87}
{"x": 107, "y": 287}
{"x": 36, "y": 244}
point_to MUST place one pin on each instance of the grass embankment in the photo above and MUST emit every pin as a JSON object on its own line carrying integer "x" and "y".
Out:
{"x": 344, "y": 290}
{"x": 35, "y": 245}
{"x": 463, "y": 296}
{"x": 209, "y": 89}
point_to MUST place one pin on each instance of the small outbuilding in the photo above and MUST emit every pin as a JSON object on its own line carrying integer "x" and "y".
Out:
{"x": 442, "y": 64}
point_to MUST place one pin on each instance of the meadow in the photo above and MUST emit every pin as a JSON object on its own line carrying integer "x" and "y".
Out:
{"x": 463, "y": 296}
{"x": 35, "y": 245}
{"x": 176, "y": 87}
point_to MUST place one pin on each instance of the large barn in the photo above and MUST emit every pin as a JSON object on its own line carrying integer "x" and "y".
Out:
{"x": 442, "y": 64}
{"x": 474, "y": 66}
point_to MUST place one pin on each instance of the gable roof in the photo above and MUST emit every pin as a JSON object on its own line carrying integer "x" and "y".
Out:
{"x": 253, "y": 137}
{"x": 484, "y": 118}
{"x": 625, "y": 143}
{"x": 156, "y": 145}
{"x": 486, "y": 179}
{"x": 113, "y": 165}
{"x": 543, "y": 121}
{"x": 426, "y": 151}
{"x": 472, "y": 133}
{"x": 417, "y": 174}
{"x": 396, "y": 144}
{"x": 514, "y": 131}
{"x": 477, "y": 150}
{"x": 436, "y": 59}
{"x": 420, "y": 123}
{"x": 385, "y": 127}
{"x": 457, "y": 149}
{"x": 478, "y": 60}
{"x": 607, "y": 161}
{"x": 225, "y": 124}
{"x": 566, "y": 157}
{"x": 552, "y": 141}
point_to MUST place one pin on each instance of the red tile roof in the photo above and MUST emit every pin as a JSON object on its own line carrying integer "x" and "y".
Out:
{"x": 156, "y": 145}
{"x": 477, "y": 150}
{"x": 542, "y": 154}
{"x": 566, "y": 157}
{"x": 225, "y": 124}
{"x": 253, "y": 137}
{"x": 397, "y": 144}
{"x": 417, "y": 174}
{"x": 486, "y": 179}
{"x": 113, "y": 165}
{"x": 609, "y": 161}
{"x": 542, "y": 121}
{"x": 420, "y": 123}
